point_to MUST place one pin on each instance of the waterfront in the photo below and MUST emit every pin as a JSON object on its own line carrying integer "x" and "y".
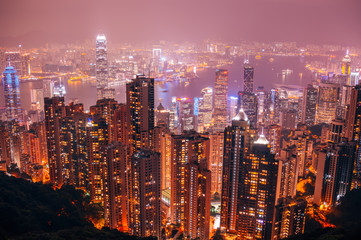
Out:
{"x": 268, "y": 73}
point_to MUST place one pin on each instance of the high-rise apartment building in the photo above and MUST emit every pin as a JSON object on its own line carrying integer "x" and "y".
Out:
{"x": 197, "y": 201}
{"x": 54, "y": 112}
{"x": 115, "y": 187}
{"x": 98, "y": 138}
{"x": 215, "y": 161}
{"x": 140, "y": 107}
{"x": 334, "y": 173}
{"x": 186, "y": 148}
{"x": 145, "y": 194}
{"x": 290, "y": 217}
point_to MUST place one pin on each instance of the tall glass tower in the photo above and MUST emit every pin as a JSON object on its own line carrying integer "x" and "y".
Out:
{"x": 12, "y": 94}
{"x": 101, "y": 59}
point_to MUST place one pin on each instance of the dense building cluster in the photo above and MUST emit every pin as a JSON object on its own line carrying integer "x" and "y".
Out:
{"x": 151, "y": 167}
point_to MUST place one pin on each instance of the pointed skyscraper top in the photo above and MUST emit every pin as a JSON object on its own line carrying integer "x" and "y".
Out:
{"x": 160, "y": 107}
{"x": 262, "y": 140}
{"x": 241, "y": 116}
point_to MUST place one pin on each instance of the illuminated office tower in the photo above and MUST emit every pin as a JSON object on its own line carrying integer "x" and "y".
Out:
{"x": 54, "y": 112}
{"x": 173, "y": 116}
{"x": 309, "y": 105}
{"x": 335, "y": 173}
{"x": 12, "y": 94}
{"x": 355, "y": 78}
{"x": 328, "y": 95}
{"x": 197, "y": 201}
{"x": 190, "y": 146}
{"x": 257, "y": 192}
{"x": 187, "y": 116}
{"x": 220, "y": 100}
{"x": 25, "y": 64}
{"x": 14, "y": 59}
{"x": 37, "y": 99}
{"x": 101, "y": 60}
{"x": 145, "y": 194}
{"x": 248, "y": 78}
{"x": 249, "y": 102}
{"x": 215, "y": 161}
{"x": 140, "y": 107}
{"x": 353, "y": 125}
{"x": 290, "y": 217}
{"x": 115, "y": 185}
{"x": 346, "y": 67}
{"x": 288, "y": 119}
{"x": 97, "y": 141}
{"x": 236, "y": 144}
{"x": 205, "y": 109}
{"x": 261, "y": 96}
{"x": 48, "y": 88}
{"x": 233, "y": 106}
{"x": 273, "y": 133}
{"x": 344, "y": 102}
{"x": 161, "y": 116}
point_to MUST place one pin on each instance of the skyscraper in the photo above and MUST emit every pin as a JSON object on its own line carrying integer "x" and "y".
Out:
{"x": 98, "y": 137}
{"x": 328, "y": 95}
{"x": 248, "y": 78}
{"x": 257, "y": 192}
{"x": 353, "y": 125}
{"x": 290, "y": 218}
{"x": 205, "y": 109}
{"x": 215, "y": 161}
{"x": 309, "y": 105}
{"x": 249, "y": 102}
{"x": 197, "y": 201}
{"x": 101, "y": 59}
{"x": 236, "y": 143}
{"x": 115, "y": 187}
{"x": 346, "y": 67}
{"x": 186, "y": 148}
{"x": 188, "y": 120}
{"x": 12, "y": 94}
{"x": 220, "y": 100}
{"x": 335, "y": 173}
{"x": 140, "y": 107}
{"x": 145, "y": 194}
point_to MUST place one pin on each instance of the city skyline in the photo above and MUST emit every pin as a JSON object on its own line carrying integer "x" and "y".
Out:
{"x": 205, "y": 137}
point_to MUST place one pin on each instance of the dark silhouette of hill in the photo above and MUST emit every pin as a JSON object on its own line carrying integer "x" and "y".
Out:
{"x": 37, "y": 211}
{"x": 346, "y": 217}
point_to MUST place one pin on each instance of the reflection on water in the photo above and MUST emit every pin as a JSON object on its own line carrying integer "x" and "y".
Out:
{"x": 268, "y": 72}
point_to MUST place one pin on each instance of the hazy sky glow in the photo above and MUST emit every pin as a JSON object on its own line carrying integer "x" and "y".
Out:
{"x": 315, "y": 21}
